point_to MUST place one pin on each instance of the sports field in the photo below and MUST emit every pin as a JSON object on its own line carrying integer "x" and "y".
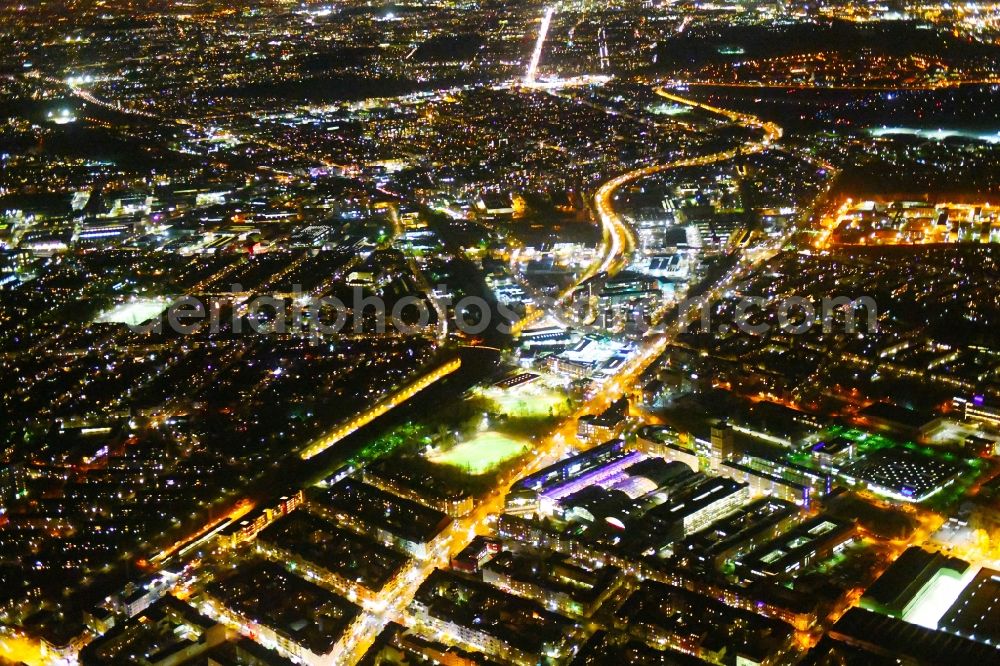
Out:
{"x": 134, "y": 312}
{"x": 481, "y": 454}
{"x": 529, "y": 401}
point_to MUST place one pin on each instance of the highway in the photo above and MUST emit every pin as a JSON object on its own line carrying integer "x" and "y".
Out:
{"x": 777, "y": 85}
{"x": 618, "y": 245}
{"x": 536, "y": 55}
{"x": 619, "y": 240}
{"x": 619, "y": 237}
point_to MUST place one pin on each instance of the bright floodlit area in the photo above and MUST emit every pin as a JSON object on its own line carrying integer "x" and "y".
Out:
{"x": 528, "y": 401}
{"x": 937, "y": 597}
{"x": 482, "y": 453}
{"x": 134, "y": 312}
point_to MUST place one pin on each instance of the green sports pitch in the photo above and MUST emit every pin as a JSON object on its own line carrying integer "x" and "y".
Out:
{"x": 481, "y": 454}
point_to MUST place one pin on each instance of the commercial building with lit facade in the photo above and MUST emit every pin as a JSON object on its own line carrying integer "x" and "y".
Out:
{"x": 813, "y": 540}
{"x": 978, "y": 409}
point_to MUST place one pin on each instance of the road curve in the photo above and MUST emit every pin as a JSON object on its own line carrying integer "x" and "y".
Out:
{"x": 619, "y": 245}
{"x": 619, "y": 239}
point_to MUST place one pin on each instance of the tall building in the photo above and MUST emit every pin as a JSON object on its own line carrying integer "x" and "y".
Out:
{"x": 723, "y": 445}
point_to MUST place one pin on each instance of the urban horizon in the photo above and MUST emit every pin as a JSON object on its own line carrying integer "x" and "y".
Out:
{"x": 488, "y": 333}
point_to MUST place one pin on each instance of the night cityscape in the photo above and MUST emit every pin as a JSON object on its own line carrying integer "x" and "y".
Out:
{"x": 574, "y": 333}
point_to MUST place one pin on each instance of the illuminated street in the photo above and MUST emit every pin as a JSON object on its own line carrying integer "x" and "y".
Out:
{"x": 560, "y": 334}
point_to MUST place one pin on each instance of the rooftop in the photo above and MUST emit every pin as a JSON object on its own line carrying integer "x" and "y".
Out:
{"x": 308, "y": 615}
